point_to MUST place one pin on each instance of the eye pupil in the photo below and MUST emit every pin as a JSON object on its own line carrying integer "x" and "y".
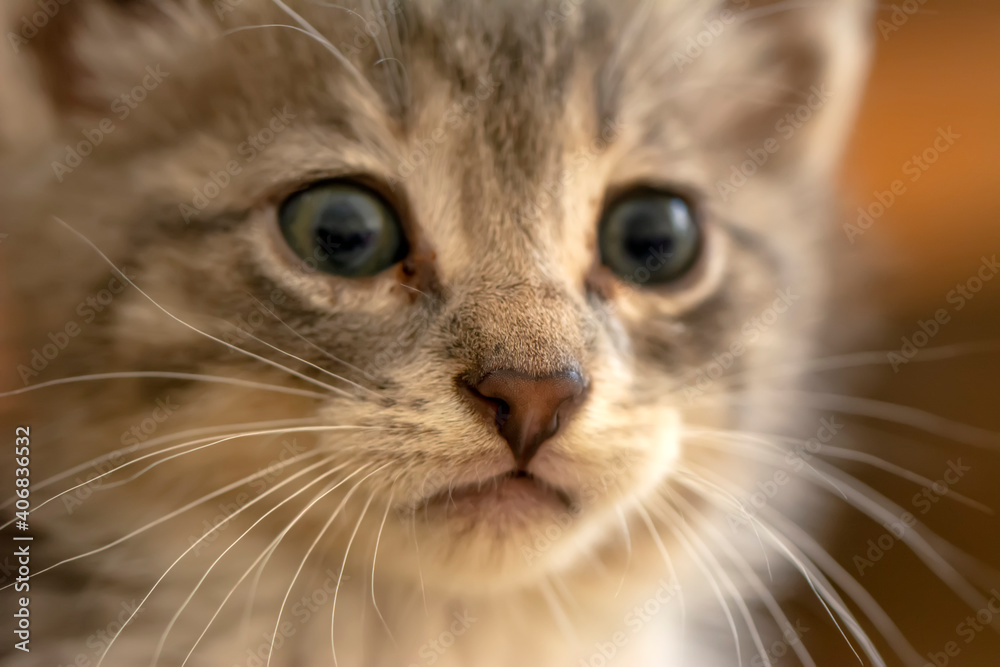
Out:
{"x": 649, "y": 236}
{"x": 345, "y": 228}
{"x": 638, "y": 247}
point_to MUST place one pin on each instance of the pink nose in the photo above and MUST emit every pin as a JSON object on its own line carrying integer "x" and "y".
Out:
{"x": 528, "y": 410}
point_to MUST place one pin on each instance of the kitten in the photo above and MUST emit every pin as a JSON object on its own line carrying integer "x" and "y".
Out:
{"x": 419, "y": 332}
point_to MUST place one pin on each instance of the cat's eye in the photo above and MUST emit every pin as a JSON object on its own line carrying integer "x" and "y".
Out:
{"x": 345, "y": 228}
{"x": 649, "y": 236}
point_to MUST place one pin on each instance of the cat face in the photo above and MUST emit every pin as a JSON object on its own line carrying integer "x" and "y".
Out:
{"x": 589, "y": 218}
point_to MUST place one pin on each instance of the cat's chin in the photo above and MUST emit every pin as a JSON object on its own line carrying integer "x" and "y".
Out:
{"x": 505, "y": 533}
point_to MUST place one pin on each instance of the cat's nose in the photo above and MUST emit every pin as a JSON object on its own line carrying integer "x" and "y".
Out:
{"x": 528, "y": 410}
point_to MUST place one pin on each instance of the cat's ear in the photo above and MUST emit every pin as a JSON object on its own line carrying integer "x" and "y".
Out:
{"x": 71, "y": 59}
{"x": 789, "y": 79}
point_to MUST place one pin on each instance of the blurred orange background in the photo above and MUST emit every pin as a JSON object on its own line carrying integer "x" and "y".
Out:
{"x": 939, "y": 70}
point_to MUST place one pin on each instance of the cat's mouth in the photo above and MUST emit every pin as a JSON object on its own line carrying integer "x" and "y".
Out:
{"x": 514, "y": 492}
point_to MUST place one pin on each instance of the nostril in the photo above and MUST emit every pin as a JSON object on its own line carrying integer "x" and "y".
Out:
{"x": 503, "y": 412}
{"x": 493, "y": 410}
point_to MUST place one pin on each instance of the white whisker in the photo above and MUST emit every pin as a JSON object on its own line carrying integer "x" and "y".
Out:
{"x": 343, "y": 565}
{"x": 193, "y": 546}
{"x": 293, "y": 429}
{"x": 750, "y": 577}
{"x": 378, "y": 540}
{"x": 648, "y": 522}
{"x": 166, "y": 312}
{"x": 562, "y": 620}
{"x": 152, "y": 442}
{"x": 170, "y": 376}
{"x": 689, "y": 535}
{"x": 308, "y": 29}
{"x": 312, "y": 547}
{"x": 623, "y": 522}
{"x": 316, "y": 347}
{"x": 174, "y": 513}
{"x": 272, "y": 546}
{"x": 825, "y": 593}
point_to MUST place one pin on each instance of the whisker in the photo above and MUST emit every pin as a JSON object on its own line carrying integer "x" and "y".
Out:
{"x": 892, "y": 412}
{"x": 263, "y": 559}
{"x": 378, "y": 540}
{"x": 648, "y": 522}
{"x": 881, "y": 509}
{"x": 414, "y": 289}
{"x": 308, "y": 29}
{"x": 343, "y": 566}
{"x": 170, "y": 376}
{"x": 316, "y": 347}
{"x": 759, "y": 454}
{"x": 294, "y": 429}
{"x": 817, "y": 581}
{"x": 748, "y": 438}
{"x": 878, "y": 507}
{"x": 153, "y": 301}
{"x": 195, "y": 545}
{"x": 154, "y": 442}
{"x": 623, "y": 522}
{"x": 709, "y": 577}
{"x": 861, "y": 359}
{"x": 420, "y": 567}
{"x": 769, "y": 601}
{"x": 175, "y": 513}
{"x": 865, "y": 601}
{"x": 732, "y": 498}
{"x": 271, "y": 548}
{"x": 720, "y": 573}
{"x": 310, "y": 364}
{"x": 558, "y": 613}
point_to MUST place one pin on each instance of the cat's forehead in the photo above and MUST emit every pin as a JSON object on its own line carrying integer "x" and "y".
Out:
{"x": 485, "y": 117}
{"x": 533, "y": 62}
